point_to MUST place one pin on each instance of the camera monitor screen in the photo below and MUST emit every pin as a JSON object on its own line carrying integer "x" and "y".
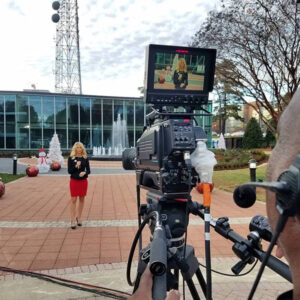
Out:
{"x": 179, "y": 75}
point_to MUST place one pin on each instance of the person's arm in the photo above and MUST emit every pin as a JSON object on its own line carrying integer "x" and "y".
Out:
{"x": 71, "y": 166}
{"x": 184, "y": 80}
{"x": 175, "y": 78}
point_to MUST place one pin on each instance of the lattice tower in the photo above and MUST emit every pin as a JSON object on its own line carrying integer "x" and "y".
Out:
{"x": 67, "y": 58}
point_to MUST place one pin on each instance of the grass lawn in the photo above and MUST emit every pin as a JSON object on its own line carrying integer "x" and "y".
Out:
{"x": 228, "y": 180}
{"x": 9, "y": 177}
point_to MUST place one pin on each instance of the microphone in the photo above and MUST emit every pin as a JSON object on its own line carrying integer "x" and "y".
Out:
{"x": 244, "y": 196}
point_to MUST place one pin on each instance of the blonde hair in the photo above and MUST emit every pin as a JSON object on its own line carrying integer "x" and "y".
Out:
{"x": 179, "y": 67}
{"x": 73, "y": 152}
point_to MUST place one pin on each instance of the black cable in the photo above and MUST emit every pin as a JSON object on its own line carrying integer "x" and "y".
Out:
{"x": 131, "y": 253}
{"x": 64, "y": 282}
{"x": 279, "y": 226}
{"x": 232, "y": 275}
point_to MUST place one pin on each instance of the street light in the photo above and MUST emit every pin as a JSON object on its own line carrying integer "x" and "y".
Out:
{"x": 15, "y": 159}
{"x": 252, "y": 167}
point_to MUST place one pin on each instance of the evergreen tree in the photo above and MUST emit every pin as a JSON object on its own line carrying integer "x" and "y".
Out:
{"x": 55, "y": 154}
{"x": 253, "y": 137}
{"x": 270, "y": 139}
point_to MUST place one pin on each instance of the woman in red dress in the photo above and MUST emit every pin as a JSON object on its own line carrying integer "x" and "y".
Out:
{"x": 79, "y": 168}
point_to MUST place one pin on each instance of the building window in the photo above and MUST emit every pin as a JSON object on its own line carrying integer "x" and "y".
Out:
{"x": 35, "y": 108}
{"x": 107, "y": 122}
{"x": 61, "y": 120}
{"x": 85, "y": 125}
{"x": 22, "y": 122}
{"x": 2, "y": 129}
{"x": 96, "y": 123}
{"x": 10, "y": 112}
{"x": 129, "y": 117}
{"x": 73, "y": 134}
{"x": 48, "y": 120}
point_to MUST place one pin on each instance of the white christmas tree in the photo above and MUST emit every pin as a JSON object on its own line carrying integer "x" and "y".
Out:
{"x": 221, "y": 144}
{"x": 54, "y": 154}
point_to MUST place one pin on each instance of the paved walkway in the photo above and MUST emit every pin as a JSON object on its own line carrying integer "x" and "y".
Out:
{"x": 35, "y": 234}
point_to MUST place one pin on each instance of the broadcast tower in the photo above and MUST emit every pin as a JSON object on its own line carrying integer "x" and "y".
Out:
{"x": 67, "y": 56}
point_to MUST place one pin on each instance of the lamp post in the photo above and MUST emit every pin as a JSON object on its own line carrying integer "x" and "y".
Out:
{"x": 15, "y": 159}
{"x": 252, "y": 167}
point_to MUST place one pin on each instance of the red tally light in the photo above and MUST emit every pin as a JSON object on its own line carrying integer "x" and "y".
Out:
{"x": 182, "y": 51}
{"x": 186, "y": 121}
{"x": 181, "y": 200}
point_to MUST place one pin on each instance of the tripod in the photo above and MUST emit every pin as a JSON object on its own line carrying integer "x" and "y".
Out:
{"x": 178, "y": 260}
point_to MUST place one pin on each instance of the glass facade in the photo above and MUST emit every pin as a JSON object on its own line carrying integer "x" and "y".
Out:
{"x": 29, "y": 120}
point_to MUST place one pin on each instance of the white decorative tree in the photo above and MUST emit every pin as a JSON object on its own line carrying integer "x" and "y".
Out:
{"x": 54, "y": 154}
{"x": 221, "y": 144}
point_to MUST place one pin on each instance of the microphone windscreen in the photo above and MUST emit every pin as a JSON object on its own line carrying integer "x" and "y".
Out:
{"x": 244, "y": 196}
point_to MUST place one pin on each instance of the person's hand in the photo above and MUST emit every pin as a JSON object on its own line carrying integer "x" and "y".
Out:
{"x": 78, "y": 164}
{"x": 81, "y": 174}
{"x": 144, "y": 291}
{"x": 173, "y": 295}
{"x": 181, "y": 84}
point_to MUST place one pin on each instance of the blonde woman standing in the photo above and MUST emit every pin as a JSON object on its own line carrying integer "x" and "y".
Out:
{"x": 79, "y": 168}
{"x": 180, "y": 76}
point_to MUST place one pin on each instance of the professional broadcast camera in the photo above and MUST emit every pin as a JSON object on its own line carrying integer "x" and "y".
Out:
{"x": 161, "y": 156}
{"x": 165, "y": 164}
{"x": 175, "y": 78}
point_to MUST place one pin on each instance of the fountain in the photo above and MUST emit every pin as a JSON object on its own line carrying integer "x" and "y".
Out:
{"x": 119, "y": 138}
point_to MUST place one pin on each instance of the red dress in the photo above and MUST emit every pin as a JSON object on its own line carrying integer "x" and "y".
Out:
{"x": 78, "y": 188}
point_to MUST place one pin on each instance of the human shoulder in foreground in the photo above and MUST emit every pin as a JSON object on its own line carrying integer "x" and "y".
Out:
{"x": 283, "y": 155}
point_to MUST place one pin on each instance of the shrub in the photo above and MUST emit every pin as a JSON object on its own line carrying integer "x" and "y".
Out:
{"x": 253, "y": 137}
{"x": 237, "y": 158}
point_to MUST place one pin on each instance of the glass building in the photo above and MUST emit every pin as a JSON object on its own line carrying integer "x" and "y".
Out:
{"x": 29, "y": 119}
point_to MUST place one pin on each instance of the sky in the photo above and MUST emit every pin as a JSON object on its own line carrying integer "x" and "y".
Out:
{"x": 113, "y": 38}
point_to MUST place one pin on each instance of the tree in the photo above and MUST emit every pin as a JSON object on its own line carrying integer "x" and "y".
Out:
{"x": 55, "y": 154}
{"x": 270, "y": 139}
{"x": 253, "y": 137}
{"x": 229, "y": 103}
{"x": 258, "y": 43}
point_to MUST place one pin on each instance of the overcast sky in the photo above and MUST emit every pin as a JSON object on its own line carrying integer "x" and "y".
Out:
{"x": 113, "y": 37}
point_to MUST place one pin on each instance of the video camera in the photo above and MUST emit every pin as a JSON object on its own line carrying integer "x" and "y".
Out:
{"x": 165, "y": 165}
{"x": 175, "y": 77}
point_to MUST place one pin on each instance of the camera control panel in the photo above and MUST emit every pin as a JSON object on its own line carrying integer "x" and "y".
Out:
{"x": 182, "y": 134}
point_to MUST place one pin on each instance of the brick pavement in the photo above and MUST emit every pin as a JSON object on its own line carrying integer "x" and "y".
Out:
{"x": 57, "y": 249}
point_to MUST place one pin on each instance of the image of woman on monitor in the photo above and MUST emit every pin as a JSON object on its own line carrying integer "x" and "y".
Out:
{"x": 180, "y": 77}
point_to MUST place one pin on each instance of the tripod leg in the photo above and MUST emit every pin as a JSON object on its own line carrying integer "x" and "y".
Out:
{"x": 192, "y": 289}
{"x": 201, "y": 281}
{"x": 176, "y": 274}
